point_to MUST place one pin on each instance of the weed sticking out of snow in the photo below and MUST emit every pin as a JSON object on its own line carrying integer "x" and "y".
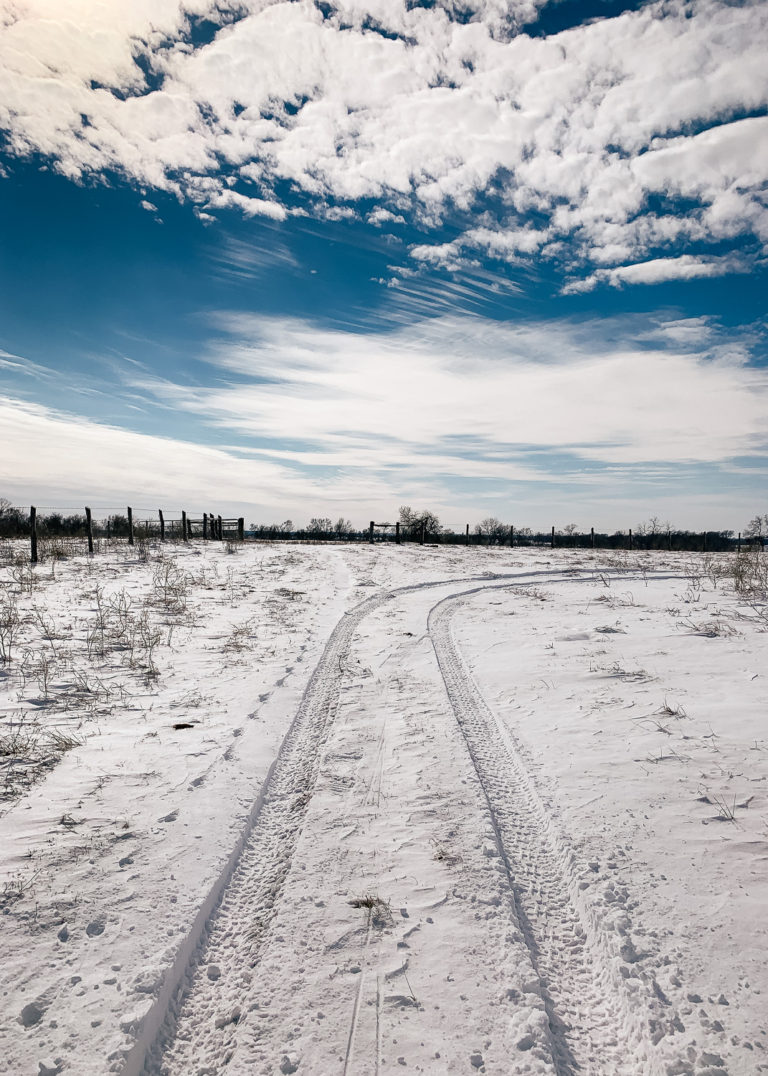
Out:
{"x": 379, "y": 911}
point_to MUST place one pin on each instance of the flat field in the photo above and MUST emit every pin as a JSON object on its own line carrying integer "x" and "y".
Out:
{"x": 357, "y": 809}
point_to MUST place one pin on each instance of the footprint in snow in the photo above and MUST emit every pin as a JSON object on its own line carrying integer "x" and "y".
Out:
{"x": 49, "y": 1067}
{"x": 169, "y": 817}
{"x": 31, "y": 1014}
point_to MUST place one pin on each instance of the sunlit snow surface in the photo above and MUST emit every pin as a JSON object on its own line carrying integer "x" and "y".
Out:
{"x": 349, "y": 809}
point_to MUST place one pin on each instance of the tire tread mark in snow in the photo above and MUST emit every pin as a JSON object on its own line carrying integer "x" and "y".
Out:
{"x": 192, "y": 1025}
{"x": 595, "y": 1026}
{"x": 188, "y": 1021}
{"x": 225, "y": 911}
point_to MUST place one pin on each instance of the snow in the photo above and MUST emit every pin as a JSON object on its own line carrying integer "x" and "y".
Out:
{"x": 352, "y": 808}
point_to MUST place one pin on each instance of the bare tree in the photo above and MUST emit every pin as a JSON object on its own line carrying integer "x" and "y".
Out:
{"x": 757, "y": 527}
{"x": 493, "y": 528}
{"x": 342, "y": 526}
{"x": 411, "y": 522}
{"x": 653, "y": 526}
{"x": 12, "y": 520}
{"x": 319, "y": 526}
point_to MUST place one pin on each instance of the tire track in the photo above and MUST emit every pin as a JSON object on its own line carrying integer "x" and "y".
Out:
{"x": 596, "y": 1027}
{"x": 192, "y": 1024}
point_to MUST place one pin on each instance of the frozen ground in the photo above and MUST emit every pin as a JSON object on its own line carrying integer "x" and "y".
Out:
{"x": 353, "y": 809}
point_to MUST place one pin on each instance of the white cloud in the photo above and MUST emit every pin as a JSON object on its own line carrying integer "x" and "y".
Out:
{"x": 462, "y": 396}
{"x": 249, "y": 207}
{"x": 58, "y": 456}
{"x": 582, "y": 126}
{"x": 384, "y": 216}
{"x": 330, "y": 422}
{"x": 718, "y": 158}
{"x": 698, "y": 332}
{"x": 658, "y": 270}
{"x": 442, "y": 255}
{"x": 17, "y": 364}
{"x": 243, "y": 260}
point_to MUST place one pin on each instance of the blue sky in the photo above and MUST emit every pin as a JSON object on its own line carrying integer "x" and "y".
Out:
{"x": 295, "y": 259}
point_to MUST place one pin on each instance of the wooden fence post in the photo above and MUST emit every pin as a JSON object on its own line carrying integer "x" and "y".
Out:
{"x": 466, "y": 537}
{"x": 704, "y": 542}
{"x": 130, "y": 525}
{"x": 669, "y": 539}
{"x": 162, "y": 524}
{"x": 630, "y": 537}
{"x": 738, "y": 543}
{"x": 370, "y": 531}
{"x": 184, "y": 533}
{"x": 219, "y": 529}
{"x": 423, "y": 530}
{"x": 89, "y": 529}
{"x": 511, "y": 537}
{"x": 241, "y": 529}
{"x": 552, "y": 541}
{"x": 592, "y": 536}
{"x": 397, "y": 533}
{"x": 33, "y": 535}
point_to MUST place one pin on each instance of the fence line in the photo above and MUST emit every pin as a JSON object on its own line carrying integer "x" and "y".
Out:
{"x": 210, "y": 526}
{"x": 128, "y": 526}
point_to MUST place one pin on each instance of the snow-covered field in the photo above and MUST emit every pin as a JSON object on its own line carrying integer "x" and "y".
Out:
{"x": 358, "y": 809}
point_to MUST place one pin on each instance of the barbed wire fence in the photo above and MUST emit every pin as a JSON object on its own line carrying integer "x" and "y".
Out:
{"x": 56, "y": 530}
{"x": 59, "y": 530}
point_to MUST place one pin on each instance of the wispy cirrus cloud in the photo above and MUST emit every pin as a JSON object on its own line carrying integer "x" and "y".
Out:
{"x": 473, "y": 398}
{"x": 288, "y": 418}
{"x": 63, "y": 456}
{"x": 17, "y": 364}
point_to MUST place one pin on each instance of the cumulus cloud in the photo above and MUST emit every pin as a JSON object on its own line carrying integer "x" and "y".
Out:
{"x": 628, "y": 137}
{"x": 659, "y": 270}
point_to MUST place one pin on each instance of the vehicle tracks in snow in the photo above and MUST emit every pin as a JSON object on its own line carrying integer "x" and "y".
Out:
{"x": 192, "y": 1026}
{"x": 185, "y": 1030}
{"x": 597, "y": 1026}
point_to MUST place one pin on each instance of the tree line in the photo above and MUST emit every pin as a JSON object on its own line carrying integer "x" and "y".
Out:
{"x": 15, "y": 523}
{"x": 413, "y": 526}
